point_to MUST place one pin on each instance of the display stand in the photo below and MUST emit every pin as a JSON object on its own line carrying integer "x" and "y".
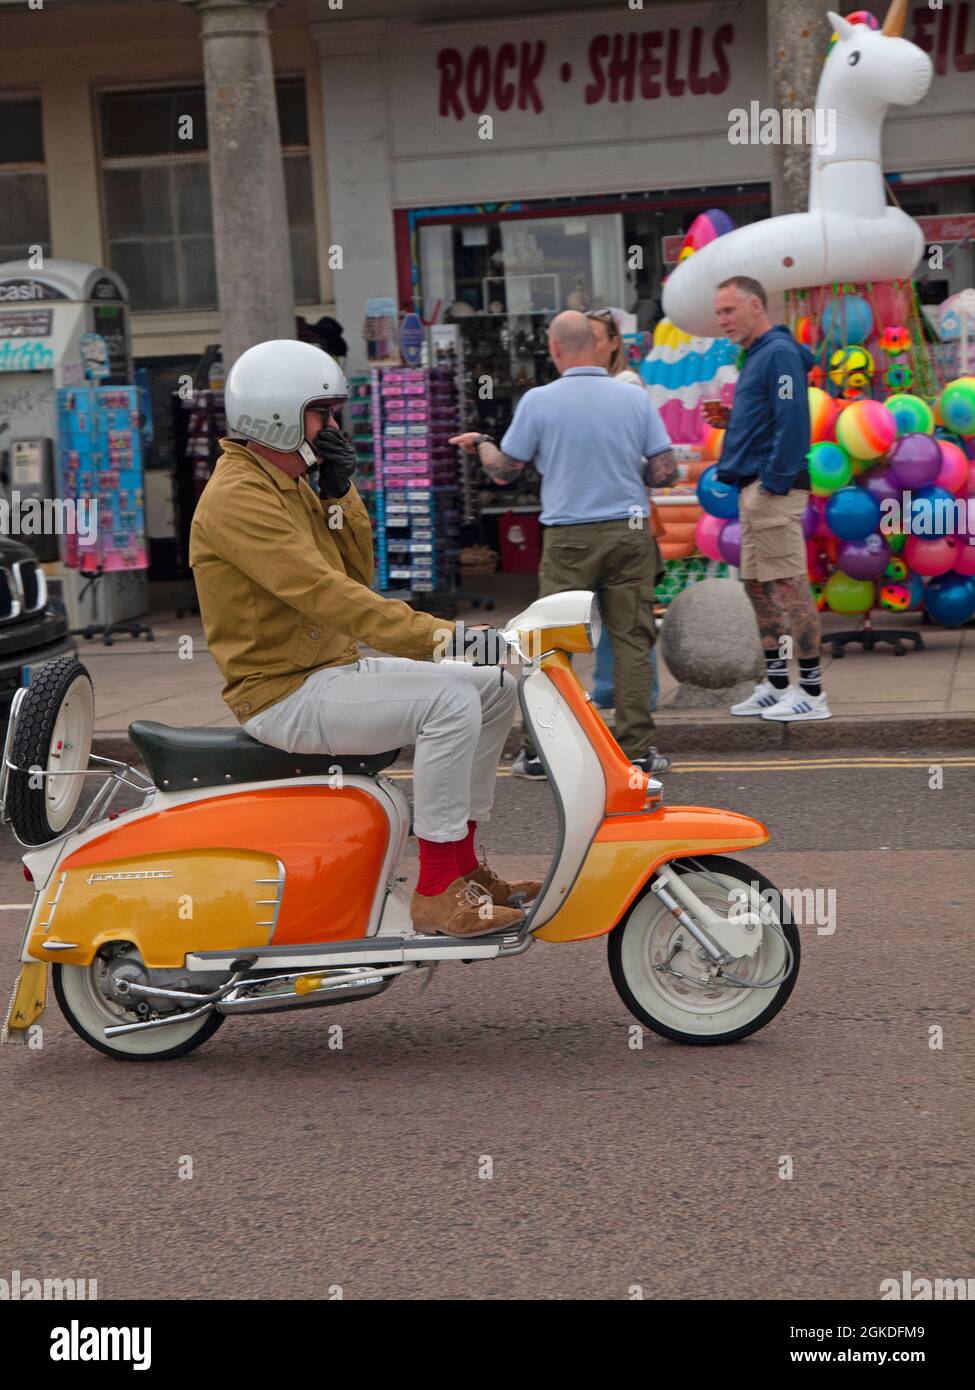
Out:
{"x": 454, "y": 359}
{"x": 198, "y": 424}
{"x": 869, "y": 637}
{"x": 108, "y": 630}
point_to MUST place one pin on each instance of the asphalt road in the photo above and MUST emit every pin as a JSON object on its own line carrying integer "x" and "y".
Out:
{"x": 365, "y": 1169}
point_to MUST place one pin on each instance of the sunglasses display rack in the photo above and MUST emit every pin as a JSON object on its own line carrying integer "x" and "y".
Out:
{"x": 414, "y": 414}
{"x": 360, "y": 427}
{"x": 100, "y": 466}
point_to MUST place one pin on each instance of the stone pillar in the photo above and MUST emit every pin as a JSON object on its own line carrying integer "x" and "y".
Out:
{"x": 250, "y": 217}
{"x": 797, "y": 34}
{"x": 357, "y": 158}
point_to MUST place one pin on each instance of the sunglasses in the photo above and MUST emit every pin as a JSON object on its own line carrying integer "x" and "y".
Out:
{"x": 605, "y": 316}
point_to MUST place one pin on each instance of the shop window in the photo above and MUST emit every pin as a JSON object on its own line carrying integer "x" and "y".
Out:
{"x": 158, "y": 213}
{"x": 24, "y": 218}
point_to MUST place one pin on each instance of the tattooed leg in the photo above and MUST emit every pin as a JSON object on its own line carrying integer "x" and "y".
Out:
{"x": 765, "y": 601}
{"x": 803, "y": 616}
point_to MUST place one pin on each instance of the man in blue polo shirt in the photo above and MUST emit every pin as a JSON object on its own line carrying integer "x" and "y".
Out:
{"x": 597, "y": 445}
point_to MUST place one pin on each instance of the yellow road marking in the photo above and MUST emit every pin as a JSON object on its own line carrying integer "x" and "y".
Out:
{"x": 782, "y": 765}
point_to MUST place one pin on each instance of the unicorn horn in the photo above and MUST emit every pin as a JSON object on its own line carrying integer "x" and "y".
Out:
{"x": 895, "y": 19}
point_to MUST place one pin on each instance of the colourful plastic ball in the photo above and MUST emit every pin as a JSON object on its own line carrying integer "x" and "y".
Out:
{"x": 903, "y": 594}
{"x": 931, "y": 555}
{"x": 965, "y": 558}
{"x": 957, "y": 405}
{"x": 850, "y": 366}
{"x": 897, "y": 540}
{"x": 954, "y": 466}
{"x": 866, "y": 559}
{"x": 830, "y": 467}
{"x": 847, "y": 320}
{"x": 846, "y": 595}
{"x": 932, "y": 512}
{"x": 895, "y": 339}
{"x": 914, "y": 460}
{"x": 720, "y": 499}
{"x": 866, "y": 429}
{"x": 823, "y": 413}
{"x": 950, "y": 599}
{"x": 852, "y": 514}
{"x": 913, "y": 415}
{"x": 729, "y": 543}
{"x": 818, "y": 592}
{"x": 896, "y": 570}
{"x": 706, "y": 534}
{"x": 899, "y": 377}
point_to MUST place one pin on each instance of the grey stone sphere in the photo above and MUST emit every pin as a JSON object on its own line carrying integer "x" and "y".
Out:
{"x": 710, "y": 636}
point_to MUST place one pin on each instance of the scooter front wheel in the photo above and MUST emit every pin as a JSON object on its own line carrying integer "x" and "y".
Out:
{"x": 657, "y": 967}
{"x": 81, "y": 994}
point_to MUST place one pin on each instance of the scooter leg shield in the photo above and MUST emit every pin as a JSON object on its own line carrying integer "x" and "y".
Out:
{"x": 628, "y": 849}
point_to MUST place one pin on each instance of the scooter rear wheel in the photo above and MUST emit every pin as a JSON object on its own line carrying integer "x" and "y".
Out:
{"x": 89, "y": 1012}
{"x": 681, "y": 1009}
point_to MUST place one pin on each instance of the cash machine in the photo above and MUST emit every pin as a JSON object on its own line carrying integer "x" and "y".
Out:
{"x": 52, "y": 319}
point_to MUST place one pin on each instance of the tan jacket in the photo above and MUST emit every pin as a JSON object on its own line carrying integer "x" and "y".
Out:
{"x": 283, "y": 579}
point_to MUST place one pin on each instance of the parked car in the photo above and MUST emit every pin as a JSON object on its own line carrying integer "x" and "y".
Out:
{"x": 33, "y": 627}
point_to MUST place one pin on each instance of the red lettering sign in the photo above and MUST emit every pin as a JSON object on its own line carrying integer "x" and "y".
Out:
{"x": 958, "y": 226}
{"x": 951, "y": 18}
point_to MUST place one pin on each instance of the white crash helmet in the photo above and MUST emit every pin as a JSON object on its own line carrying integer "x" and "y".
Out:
{"x": 270, "y": 386}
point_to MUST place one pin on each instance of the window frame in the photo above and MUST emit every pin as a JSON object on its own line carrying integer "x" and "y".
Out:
{"x": 30, "y": 166}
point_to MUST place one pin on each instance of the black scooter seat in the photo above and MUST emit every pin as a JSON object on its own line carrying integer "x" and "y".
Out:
{"x": 184, "y": 759}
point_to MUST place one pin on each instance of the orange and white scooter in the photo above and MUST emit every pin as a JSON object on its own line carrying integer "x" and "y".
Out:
{"x": 251, "y": 880}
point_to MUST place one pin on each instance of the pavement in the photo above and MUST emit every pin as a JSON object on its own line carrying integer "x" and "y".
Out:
{"x": 879, "y": 700}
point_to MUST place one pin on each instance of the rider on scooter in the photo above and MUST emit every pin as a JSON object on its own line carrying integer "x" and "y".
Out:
{"x": 283, "y": 577}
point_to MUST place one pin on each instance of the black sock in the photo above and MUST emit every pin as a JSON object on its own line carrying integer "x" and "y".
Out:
{"x": 810, "y": 675}
{"x": 776, "y": 671}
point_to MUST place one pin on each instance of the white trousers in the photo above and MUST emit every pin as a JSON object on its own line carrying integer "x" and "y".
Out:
{"x": 456, "y": 715}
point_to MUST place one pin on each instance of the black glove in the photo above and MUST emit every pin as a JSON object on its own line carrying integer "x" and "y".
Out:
{"x": 477, "y": 646}
{"x": 336, "y": 461}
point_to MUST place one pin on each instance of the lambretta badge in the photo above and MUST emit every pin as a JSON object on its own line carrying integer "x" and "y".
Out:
{"x": 131, "y": 873}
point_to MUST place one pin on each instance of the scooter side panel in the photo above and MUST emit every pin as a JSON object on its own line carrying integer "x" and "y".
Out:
{"x": 627, "y": 851}
{"x": 165, "y": 904}
{"x": 331, "y": 841}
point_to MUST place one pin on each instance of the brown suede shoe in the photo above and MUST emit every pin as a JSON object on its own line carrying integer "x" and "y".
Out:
{"x": 462, "y": 910}
{"x": 498, "y": 889}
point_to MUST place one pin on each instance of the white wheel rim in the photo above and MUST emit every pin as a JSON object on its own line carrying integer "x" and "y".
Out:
{"x": 95, "y": 1013}
{"x": 683, "y": 1005}
{"x": 70, "y": 749}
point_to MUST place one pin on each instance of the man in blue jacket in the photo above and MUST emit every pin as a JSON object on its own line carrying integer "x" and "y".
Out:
{"x": 764, "y": 456}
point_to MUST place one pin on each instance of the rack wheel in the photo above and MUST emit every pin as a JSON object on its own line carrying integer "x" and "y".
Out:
{"x": 54, "y": 730}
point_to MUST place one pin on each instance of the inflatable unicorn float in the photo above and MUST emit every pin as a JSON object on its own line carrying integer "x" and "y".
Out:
{"x": 849, "y": 232}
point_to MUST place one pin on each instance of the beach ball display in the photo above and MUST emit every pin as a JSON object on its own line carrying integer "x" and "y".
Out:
{"x": 901, "y": 595}
{"x": 866, "y": 559}
{"x": 823, "y": 412}
{"x": 932, "y": 512}
{"x": 955, "y": 467}
{"x": 914, "y": 460}
{"x": 931, "y": 555}
{"x": 810, "y": 520}
{"x": 847, "y": 320}
{"x": 852, "y": 514}
{"x": 720, "y": 499}
{"x": 850, "y": 366}
{"x": 706, "y": 534}
{"x": 957, "y": 406}
{"x": 830, "y": 467}
{"x": 846, "y": 595}
{"x": 950, "y": 599}
{"x": 913, "y": 416}
{"x": 729, "y": 543}
{"x": 866, "y": 430}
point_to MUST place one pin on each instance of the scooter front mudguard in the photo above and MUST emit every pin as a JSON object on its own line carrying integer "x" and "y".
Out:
{"x": 28, "y": 1002}
{"x": 628, "y": 849}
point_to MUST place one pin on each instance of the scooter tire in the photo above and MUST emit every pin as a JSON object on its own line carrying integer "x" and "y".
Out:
{"x": 734, "y": 869}
{"x": 83, "y": 1019}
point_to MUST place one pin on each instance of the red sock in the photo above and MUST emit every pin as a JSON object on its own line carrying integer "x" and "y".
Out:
{"x": 438, "y": 866}
{"x": 466, "y": 854}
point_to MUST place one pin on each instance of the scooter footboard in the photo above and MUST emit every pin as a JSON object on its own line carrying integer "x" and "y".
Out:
{"x": 627, "y": 850}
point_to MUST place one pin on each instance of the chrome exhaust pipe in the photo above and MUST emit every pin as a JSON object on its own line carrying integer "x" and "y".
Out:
{"x": 310, "y": 988}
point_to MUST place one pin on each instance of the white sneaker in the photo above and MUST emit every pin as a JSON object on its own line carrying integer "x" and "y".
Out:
{"x": 795, "y": 704}
{"x": 763, "y": 697}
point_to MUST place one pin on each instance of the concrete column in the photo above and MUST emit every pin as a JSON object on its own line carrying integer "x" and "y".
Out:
{"x": 798, "y": 33}
{"x": 357, "y": 159}
{"x": 250, "y": 219}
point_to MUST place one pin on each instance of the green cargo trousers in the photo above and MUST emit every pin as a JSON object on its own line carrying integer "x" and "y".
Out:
{"x": 619, "y": 562}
